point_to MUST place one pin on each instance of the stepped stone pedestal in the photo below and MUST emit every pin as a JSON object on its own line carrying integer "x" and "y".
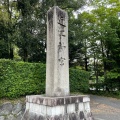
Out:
{"x": 57, "y": 108}
{"x": 57, "y": 104}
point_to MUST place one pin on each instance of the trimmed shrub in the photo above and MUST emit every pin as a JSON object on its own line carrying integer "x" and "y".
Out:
{"x": 79, "y": 80}
{"x": 22, "y": 78}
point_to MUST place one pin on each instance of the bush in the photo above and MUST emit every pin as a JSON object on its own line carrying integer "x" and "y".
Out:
{"x": 113, "y": 81}
{"x": 79, "y": 80}
{"x": 22, "y": 78}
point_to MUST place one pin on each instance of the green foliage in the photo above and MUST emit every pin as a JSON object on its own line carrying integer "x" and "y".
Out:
{"x": 23, "y": 24}
{"x": 111, "y": 84}
{"x": 19, "y": 78}
{"x": 113, "y": 75}
{"x": 113, "y": 81}
{"x": 79, "y": 80}
{"x": 22, "y": 78}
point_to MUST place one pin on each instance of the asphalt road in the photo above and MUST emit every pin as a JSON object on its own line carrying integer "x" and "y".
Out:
{"x": 104, "y": 108}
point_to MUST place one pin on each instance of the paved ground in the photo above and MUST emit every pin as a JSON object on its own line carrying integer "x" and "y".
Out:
{"x": 104, "y": 108}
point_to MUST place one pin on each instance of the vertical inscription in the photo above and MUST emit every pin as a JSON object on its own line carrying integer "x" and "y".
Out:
{"x": 61, "y": 34}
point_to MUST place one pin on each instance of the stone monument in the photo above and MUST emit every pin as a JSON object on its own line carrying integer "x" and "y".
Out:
{"x": 57, "y": 73}
{"x": 57, "y": 103}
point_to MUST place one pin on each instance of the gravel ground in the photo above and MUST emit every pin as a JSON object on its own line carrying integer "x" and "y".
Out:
{"x": 104, "y": 108}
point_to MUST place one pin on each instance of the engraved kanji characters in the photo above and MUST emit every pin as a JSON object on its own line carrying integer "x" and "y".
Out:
{"x": 61, "y": 33}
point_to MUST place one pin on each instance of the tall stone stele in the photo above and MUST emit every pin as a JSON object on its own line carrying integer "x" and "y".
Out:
{"x": 57, "y": 72}
{"x": 57, "y": 104}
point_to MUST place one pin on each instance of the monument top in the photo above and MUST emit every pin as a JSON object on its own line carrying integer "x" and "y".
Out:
{"x": 57, "y": 71}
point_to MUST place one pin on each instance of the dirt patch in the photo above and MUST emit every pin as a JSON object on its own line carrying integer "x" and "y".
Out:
{"x": 97, "y": 108}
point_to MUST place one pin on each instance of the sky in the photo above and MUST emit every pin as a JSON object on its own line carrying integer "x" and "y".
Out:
{"x": 83, "y": 9}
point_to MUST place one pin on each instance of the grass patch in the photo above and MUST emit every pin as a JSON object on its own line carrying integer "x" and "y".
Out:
{"x": 13, "y": 101}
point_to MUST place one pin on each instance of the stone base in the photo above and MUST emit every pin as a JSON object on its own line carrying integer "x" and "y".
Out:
{"x": 57, "y": 108}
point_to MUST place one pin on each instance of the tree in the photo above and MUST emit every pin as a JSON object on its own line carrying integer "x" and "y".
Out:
{"x": 8, "y": 22}
{"x": 32, "y": 26}
{"x": 103, "y": 37}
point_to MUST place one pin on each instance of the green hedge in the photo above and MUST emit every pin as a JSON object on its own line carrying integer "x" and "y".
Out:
{"x": 22, "y": 78}
{"x": 19, "y": 78}
{"x": 79, "y": 80}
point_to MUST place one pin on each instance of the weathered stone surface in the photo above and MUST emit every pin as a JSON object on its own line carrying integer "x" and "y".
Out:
{"x": 17, "y": 108}
{"x": 10, "y": 111}
{"x": 55, "y": 101}
{"x": 32, "y": 116}
{"x": 25, "y": 115}
{"x": 19, "y": 115}
{"x": 2, "y": 117}
{"x": 11, "y": 117}
{"x": 70, "y": 106}
{"x": 57, "y": 70}
{"x": 82, "y": 116}
{"x": 72, "y": 116}
{"x": 23, "y": 108}
{"x": 6, "y": 109}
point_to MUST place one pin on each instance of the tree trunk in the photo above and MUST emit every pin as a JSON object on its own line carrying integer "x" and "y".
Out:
{"x": 25, "y": 57}
{"x": 86, "y": 65}
{"x": 11, "y": 54}
{"x": 104, "y": 62}
{"x": 96, "y": 72}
